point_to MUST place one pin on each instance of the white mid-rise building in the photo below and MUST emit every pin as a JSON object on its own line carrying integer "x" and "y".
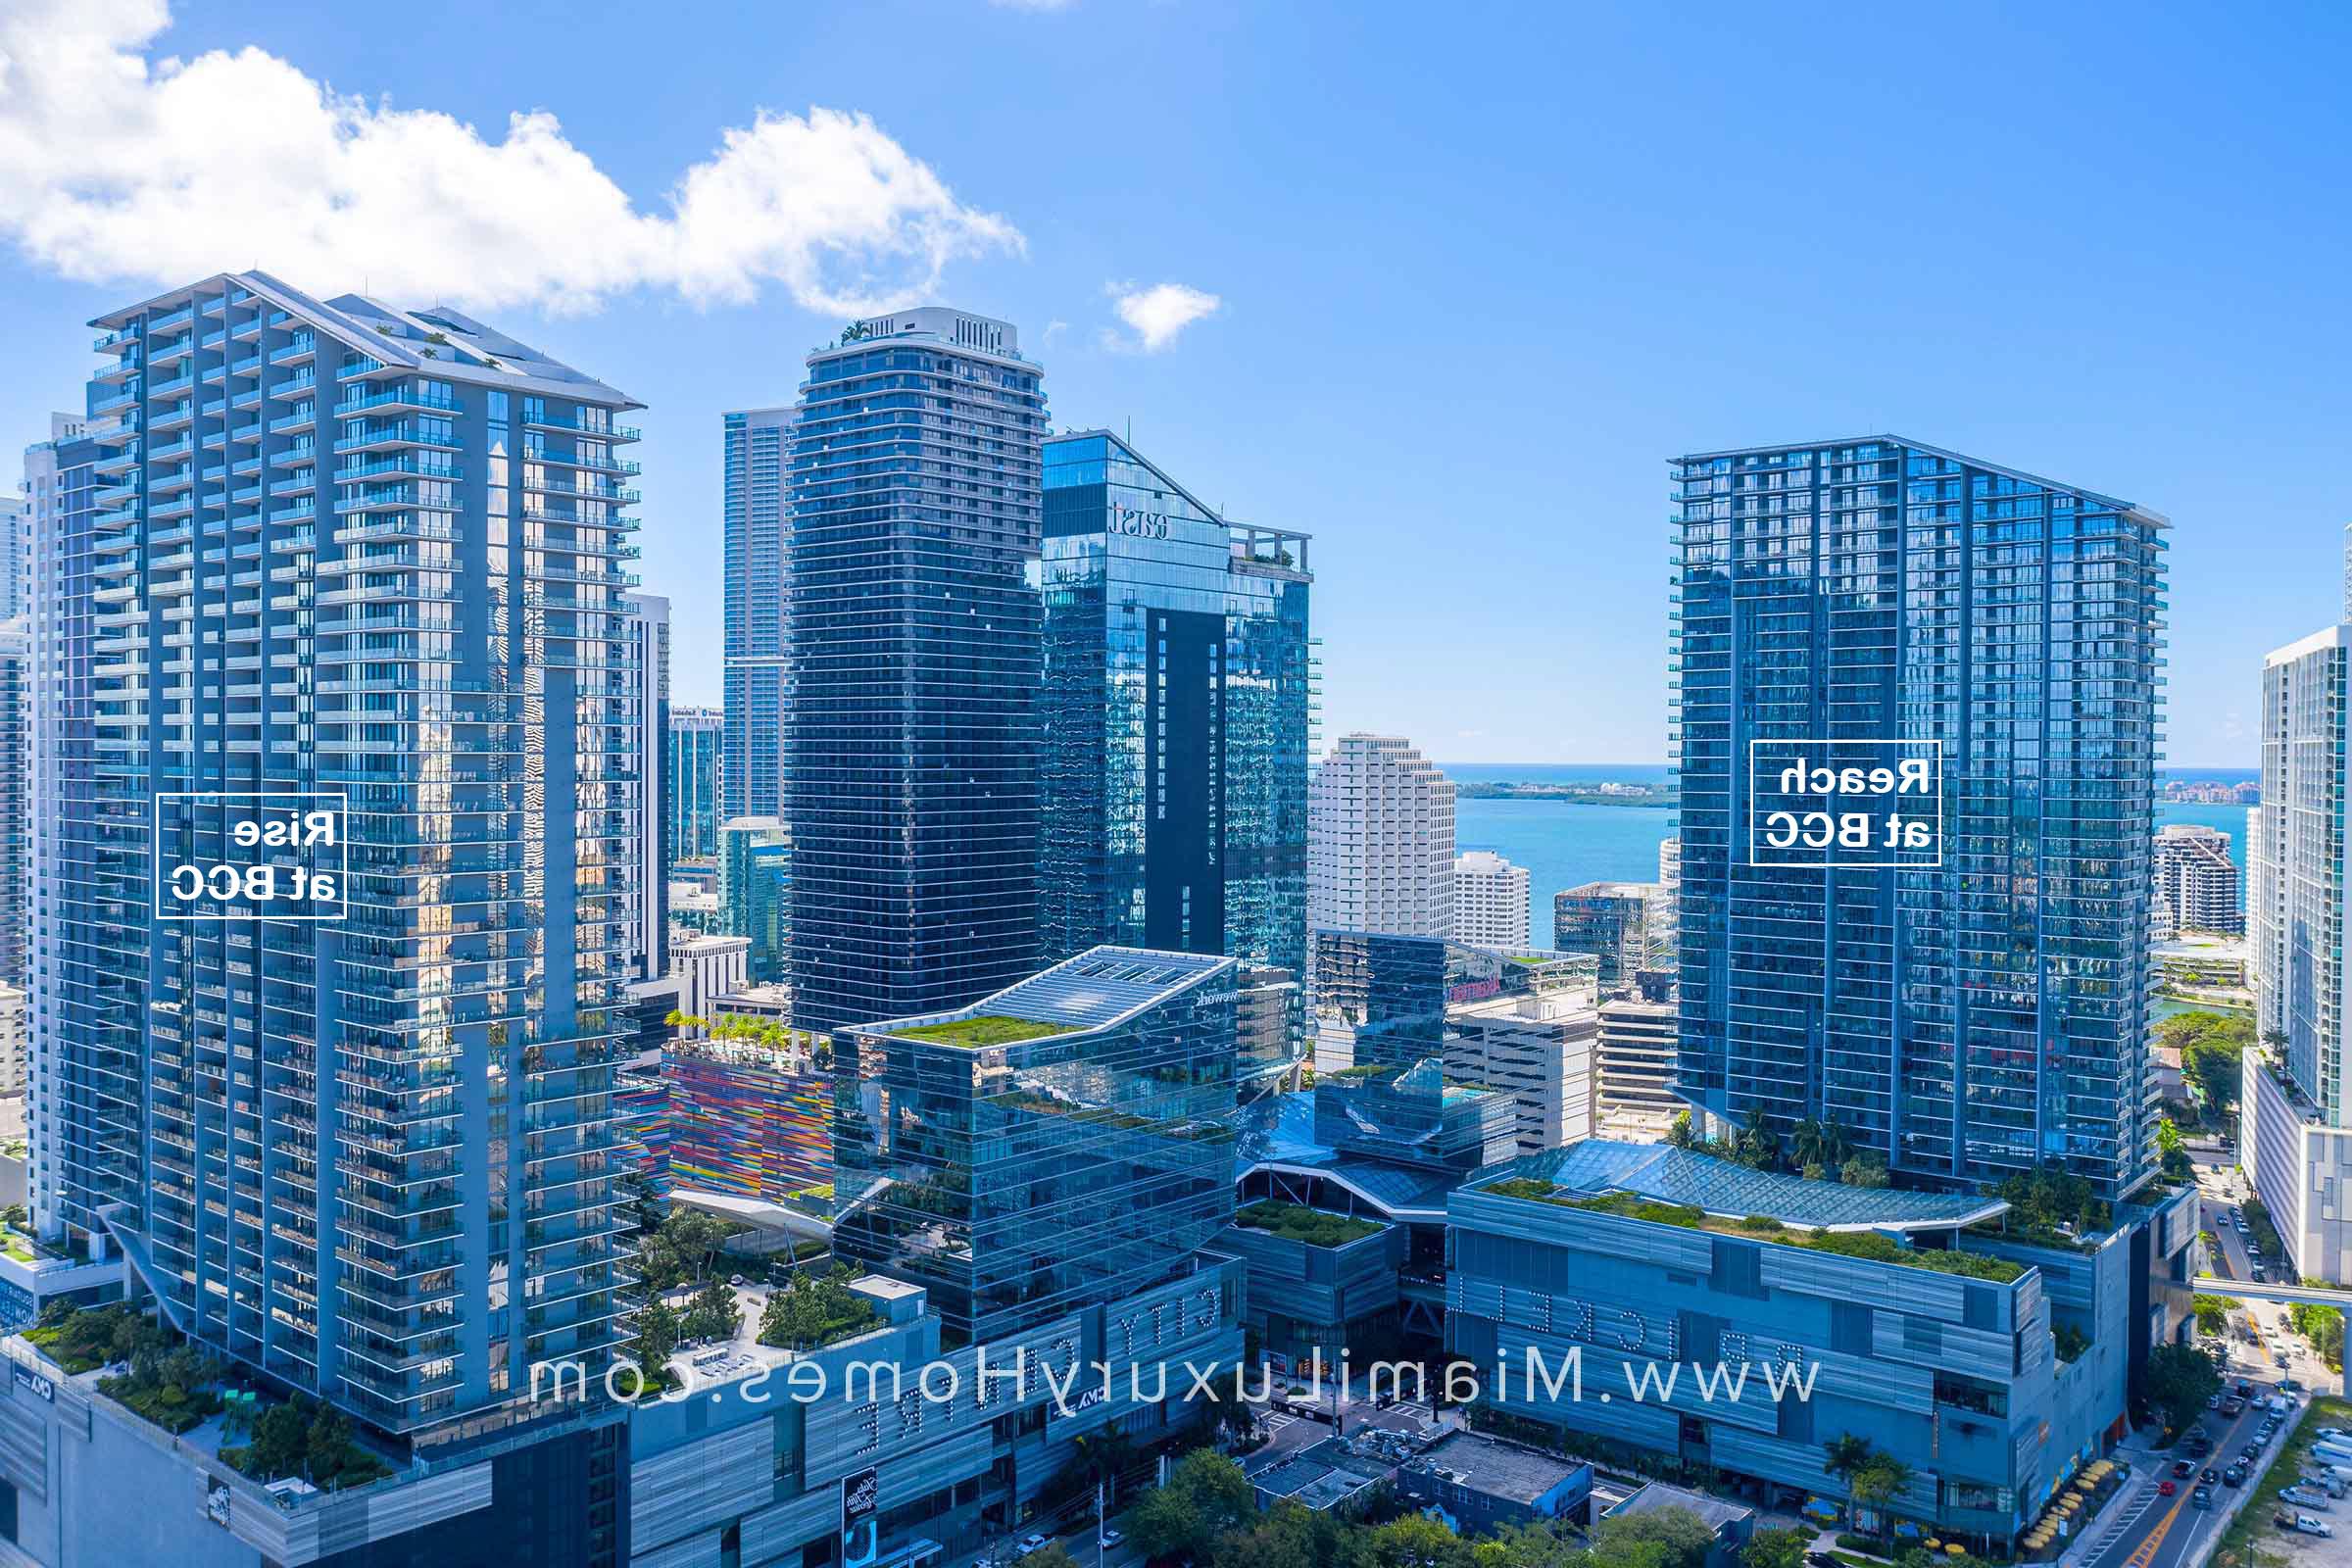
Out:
{"x": 707, "y": 967}
{"x": 1490, "y": 900}
{"x": 1634, "y": 1099}
{"x": 1536, "y": 1047}
{"x": 2296, "y": 1115}
{"x": 2197, "y": 880}
{"x": 1380, "y": 840}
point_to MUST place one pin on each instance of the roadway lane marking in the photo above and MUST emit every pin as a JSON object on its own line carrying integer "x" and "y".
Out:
{"x": 2145, "y": 1552}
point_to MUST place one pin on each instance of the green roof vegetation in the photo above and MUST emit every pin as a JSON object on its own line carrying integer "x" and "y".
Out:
{"x": 1869, "y": 1245}
{"x": 988, "y": 1029}
{"x": 1298, "y": 1223}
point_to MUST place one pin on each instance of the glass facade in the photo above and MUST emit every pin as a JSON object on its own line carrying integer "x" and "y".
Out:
{"x": 1988, "y": 1014}
{"x": 755, "y": 538}
{"x": 1062, "y": 1143}
{"x": 910, "y": 779}
{"x": 691, "y": 801}
{"x": 83, "y": 1104}
{"x": 1178, "y": 704}
{"x": 754, "y": 891}
{"x": 1625, "y": 925}
{"x": 340, "y": 548}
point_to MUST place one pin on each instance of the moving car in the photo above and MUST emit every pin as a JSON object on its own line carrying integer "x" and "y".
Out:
{"x": 2202, "y": 1497}
{"x": 2235, "y": 1477}
{"x": 1111, "y": 1537}
{"x": 2165, "y": 1489}
{"x": 2183, "y": 1469}
{"x": 1030, "y": 1546}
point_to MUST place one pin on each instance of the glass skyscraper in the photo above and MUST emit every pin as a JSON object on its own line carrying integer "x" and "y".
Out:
{"x": 1178, "y": 700}
{"x": 691, "y": 799}
{"x": 1987, "y": 1013}
{"x": 754, "y": 891}
{"x": 756, "y": 539}
{"x": 1063, "y": 1142}
{"x": 335, "y": 547}
{"x": 910, "y": 778}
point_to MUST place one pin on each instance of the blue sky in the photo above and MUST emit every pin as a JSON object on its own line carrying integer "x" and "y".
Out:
{"x": 1478, "y": 271}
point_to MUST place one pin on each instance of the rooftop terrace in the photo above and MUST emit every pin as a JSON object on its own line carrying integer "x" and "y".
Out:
{"x": 1098, "y": 988}
{"x": 1718, "y": 1188}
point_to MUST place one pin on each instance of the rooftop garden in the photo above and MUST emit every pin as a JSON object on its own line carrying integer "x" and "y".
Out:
{"x": 988, "y": 1029}
{"x": 1870, "y": 1246}
{"x": 304, "y": 1439}
{"x": 177, "y": 1387}
{"x": 814, "y": 1311}
{"x": 1296, "y": 1223}
{"x": 85, "y": 1340}
{"x": 2049, "y": 1207}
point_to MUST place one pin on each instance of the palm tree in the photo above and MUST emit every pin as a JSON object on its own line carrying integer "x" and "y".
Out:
{"x": 1878, "y": 1484}
{"x": 1842, "y": 1456}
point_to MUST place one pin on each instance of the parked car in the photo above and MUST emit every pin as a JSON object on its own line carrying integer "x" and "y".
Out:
{"x": 2235, "y": 1477}
{"x": 2302, "y": 1523}
{"x": 2305, "y": 1498}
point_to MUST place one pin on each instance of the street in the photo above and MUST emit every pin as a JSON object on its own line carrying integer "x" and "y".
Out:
{"x": 2147, "y": 1530}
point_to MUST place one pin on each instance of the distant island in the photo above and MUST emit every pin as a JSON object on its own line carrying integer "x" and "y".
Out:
{"x": 2212, "y": 792}
{"x": 1600, "y": 794}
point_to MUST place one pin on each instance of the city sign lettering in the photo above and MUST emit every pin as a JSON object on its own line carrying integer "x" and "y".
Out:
{"x": 1127, "y": 520}
{"x": 1850, "y": 805}
{"x": 250, "y": 855}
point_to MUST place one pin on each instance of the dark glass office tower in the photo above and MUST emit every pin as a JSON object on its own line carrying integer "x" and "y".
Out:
{"x": 1985, "y": 1015}
{"x": 910, "y": 776}
{"x": 1178, "y": 683}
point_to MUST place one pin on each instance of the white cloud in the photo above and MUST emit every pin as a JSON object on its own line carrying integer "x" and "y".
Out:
{"x": 1159, "y": 313}
{"x": 117, "y": 167}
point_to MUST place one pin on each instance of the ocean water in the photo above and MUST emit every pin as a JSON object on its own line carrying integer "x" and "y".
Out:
{"x": 1563, "y": 844}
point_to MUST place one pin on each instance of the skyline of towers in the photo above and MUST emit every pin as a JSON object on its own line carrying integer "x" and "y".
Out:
{"x": 339, "y": 548}
{"x": 910, "y": 763}
{"x": 1985, "y": 1013}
